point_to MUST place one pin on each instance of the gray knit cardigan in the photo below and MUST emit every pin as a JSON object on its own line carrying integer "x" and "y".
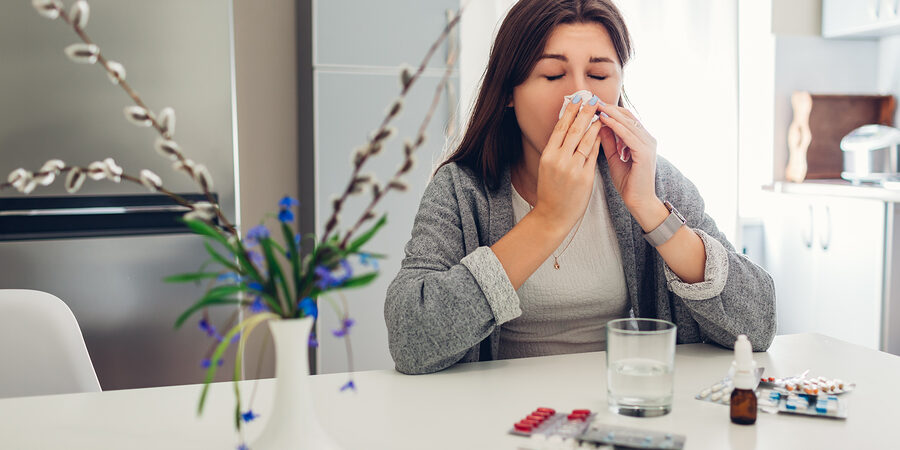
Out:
{"x": 452, "y": 295}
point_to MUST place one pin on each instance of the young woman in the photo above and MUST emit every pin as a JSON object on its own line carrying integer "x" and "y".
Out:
{"x": 538, "y": 230}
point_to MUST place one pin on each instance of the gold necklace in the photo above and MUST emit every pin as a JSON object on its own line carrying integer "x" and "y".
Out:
{"x": 555, "y": 256}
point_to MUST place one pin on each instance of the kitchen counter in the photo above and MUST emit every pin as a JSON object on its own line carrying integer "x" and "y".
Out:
{"x": 837, "y": 188}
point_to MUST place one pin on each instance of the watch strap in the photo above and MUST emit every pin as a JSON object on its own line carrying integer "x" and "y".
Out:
{"x": 661, "y": 234}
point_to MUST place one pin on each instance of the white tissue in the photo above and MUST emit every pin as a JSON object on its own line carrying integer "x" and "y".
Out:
{"x": 586, "y": 96}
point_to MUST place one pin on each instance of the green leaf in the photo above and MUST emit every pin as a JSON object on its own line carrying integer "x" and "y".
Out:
{"x": 359, "y": 281}
{"x": 221, "y": 259}
{"x": 362, "y": 239}
{"x": 277, "y": 276}
{"x": 202, "y": 304}
{"x": 193, "y": 276}
{"x": 294, "y": 258}
{"x": 202, "y": 228}
{"x": 220, "y": 350}
{"x": 215, "y": 296}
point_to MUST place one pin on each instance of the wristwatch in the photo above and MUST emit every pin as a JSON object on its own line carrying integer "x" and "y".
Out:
{"x": 659, "y": 235}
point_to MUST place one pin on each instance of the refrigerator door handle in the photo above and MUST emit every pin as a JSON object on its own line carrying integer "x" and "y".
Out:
{"x": 100, "y": 210}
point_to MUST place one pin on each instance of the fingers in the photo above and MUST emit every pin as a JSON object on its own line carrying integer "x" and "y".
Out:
{"x": 608, "y": 139}
{"x": 562, "y": 126}
{"x": 589, "y": 141}
{"x": 591, "y": 161}
{"x": 626, "y": 119}
{"x": 625, "y": 133}
{"x": 580, "y": 126}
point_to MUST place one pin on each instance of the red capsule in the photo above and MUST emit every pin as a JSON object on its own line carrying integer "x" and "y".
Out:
{"x": 536, "y": 417}
{"x": 543, "y": 414}
{"x": 581, "y": 411}
{"x": 522, "y": 426}
{"x": 580, "y": 417}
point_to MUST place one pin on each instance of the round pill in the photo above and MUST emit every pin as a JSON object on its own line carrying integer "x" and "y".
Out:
{"x": 523, "y": 426}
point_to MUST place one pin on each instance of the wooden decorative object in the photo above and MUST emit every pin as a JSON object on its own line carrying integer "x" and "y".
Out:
{"x": 820, "y": 122}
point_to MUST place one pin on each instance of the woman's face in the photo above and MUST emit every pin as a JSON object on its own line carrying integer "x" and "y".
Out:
{"x": 577, "y": 56}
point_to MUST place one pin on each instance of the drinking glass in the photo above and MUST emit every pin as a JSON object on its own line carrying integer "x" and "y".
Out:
{"x": 640, "y": 366}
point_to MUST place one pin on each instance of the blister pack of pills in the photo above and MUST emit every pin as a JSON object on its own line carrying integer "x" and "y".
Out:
{"x": 619, "y": 437}
{"x": 804, "y": 384}
{"x": 581, "y": 430}
{"x": 720, "y": 391}
{"x": 829, "y": 406}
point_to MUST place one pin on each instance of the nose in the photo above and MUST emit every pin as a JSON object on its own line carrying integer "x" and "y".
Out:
{"x": 579, "y": 83}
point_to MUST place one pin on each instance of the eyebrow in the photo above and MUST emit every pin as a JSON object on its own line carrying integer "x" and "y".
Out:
{"x": 594, "y": 59}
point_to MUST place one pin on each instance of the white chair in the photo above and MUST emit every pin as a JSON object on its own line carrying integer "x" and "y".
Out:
{"x": 42, "y": 350}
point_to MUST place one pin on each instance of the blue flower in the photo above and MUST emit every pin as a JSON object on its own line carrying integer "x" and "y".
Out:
{"x": 297, "y": 238}
{"x": 367, "y": 260}
{"x": 255, "y": 257}
{"x": 255, "y": 234}
{"x": 327, "y": 278}
{"x": 230, "y": 276}
{"x": 258, "y": 305}
{"x": 256, "y": 286}
{"x": 206, "y": 327}
{"x": 287, "y": 202}
{"x": 309, "y": 308}
{"x": 236, "y": 338}
{"x": 312, "y": 341}
{"x": 285, "y": 216}
{"x": 205, "y": 363}
{"x": 249, "y": 415}
{"x": 243, "y": 447}
{"x": 348, "y": 270}
{"x": 348, "y": 385}
{"x": 345, "y": 328}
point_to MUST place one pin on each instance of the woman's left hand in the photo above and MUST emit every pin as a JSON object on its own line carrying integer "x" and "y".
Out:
{"x": 635, "y": 178}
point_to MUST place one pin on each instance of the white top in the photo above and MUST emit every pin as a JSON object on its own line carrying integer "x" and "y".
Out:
{"x": 473, "y": 406}
{"x": 565, "y": 310}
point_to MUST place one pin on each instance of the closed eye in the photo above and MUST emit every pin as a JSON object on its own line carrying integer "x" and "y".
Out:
{"x": 552, "y": 78}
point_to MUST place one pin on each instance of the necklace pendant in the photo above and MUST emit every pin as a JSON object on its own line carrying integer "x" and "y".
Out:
{"x": 555, "y": 263}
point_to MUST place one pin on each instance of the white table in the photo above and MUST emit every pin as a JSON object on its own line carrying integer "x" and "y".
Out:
{"x": 473, "y": 405}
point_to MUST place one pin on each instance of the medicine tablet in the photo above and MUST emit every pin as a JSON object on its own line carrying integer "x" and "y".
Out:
{"x": 717, "y": 387}
{"x": 716, "y": 396}
{"x": 704, "y": 392}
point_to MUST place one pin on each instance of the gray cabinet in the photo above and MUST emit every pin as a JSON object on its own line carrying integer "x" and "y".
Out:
{"x": 860, "y": 18}
{"x": 379, "y": 33}
{"x": 359, "y": 47}
{"x": 350, "y": 106}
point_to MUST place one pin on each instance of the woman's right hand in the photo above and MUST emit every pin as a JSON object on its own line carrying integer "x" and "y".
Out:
{"x": 566, "y": 172}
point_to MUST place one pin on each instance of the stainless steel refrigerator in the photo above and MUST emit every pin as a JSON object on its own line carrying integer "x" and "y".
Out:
{"x": 97, "y": 252}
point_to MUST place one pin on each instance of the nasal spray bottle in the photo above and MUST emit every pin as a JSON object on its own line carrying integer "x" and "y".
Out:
{"x": 743, "y": 399}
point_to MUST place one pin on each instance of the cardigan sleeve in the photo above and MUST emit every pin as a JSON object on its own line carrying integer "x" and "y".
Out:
{"x": 737, "y": 296}
{"x": 444, "y": 302}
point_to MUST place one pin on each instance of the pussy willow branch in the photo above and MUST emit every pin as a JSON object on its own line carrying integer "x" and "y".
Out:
{"x": 368, "y": 214}
{"x": 177, "y": 198}
{"x": 137, "y": 100}
{"x": 373, "y": 142}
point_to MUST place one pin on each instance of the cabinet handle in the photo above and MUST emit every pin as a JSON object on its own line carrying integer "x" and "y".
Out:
{"x": 826, "y": 242}
{"x": 808, "y": 241}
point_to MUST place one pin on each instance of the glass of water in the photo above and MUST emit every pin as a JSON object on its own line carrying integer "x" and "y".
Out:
{"x": 640, "y": 366}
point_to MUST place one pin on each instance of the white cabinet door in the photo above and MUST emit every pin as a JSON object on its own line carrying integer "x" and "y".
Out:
{"x": 826, "y": 255}
{"x": 789, "y": 238}
{"x": 848, "y": 256}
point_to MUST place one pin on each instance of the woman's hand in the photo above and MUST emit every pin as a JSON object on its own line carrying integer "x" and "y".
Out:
{"x": 634, "y": 178}
{"x": 566, "y": 172}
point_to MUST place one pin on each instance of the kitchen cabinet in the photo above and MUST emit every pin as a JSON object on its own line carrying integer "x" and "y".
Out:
{"x": 863, "y": 19}
{"x": 827, "y": 257}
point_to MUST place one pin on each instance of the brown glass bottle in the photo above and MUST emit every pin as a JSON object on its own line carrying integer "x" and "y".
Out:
{"x": 743, "y": 407}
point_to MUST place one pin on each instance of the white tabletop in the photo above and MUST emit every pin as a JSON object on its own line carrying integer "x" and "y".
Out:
{"x": 474, "y": 405}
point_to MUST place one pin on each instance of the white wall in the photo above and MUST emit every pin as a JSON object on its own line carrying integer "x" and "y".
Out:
{"x": 889, "y": 69}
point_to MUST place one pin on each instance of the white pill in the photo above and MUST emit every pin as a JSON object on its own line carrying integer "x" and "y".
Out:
{"x": 704, "y": 392}
{"x": 716, "y": 396}
{"x": 717, "y": 387}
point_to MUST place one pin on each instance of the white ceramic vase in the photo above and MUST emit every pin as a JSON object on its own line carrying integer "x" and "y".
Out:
{"x": 292, "y": 421}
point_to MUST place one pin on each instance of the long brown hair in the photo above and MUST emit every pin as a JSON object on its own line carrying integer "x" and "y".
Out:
{"x": 493, "y": 141}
